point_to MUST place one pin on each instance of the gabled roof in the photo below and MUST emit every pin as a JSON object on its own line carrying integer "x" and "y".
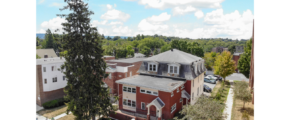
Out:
{"x": 49, "y": 52}
{"x": 174, "y": 56}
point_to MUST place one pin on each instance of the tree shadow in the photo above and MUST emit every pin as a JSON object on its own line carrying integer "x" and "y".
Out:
{"x": 249, "y": 110}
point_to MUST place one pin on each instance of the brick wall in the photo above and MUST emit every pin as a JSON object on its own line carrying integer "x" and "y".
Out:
{"x": 236, "y": 59}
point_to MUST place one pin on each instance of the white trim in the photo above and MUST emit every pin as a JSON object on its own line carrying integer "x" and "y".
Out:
{"x": 127, "y": 89}
{"x": 149, "y": 93}
{"x": 171, "y": 108}
{"x": 131, "y": 102}
{"x": 153, "y": 63}
{"x": 177, "y": 89}
{"x": 172, "y": 94}
{"x": 173, "y": 65}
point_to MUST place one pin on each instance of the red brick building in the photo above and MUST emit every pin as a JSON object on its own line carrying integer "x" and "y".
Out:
{"x": 251, "y": 80}
{"x": 165, "y": 83}
{"x": 236, "y": 57}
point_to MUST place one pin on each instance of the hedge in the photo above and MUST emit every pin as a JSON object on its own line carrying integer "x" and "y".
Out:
{"x": 54, "y": 103}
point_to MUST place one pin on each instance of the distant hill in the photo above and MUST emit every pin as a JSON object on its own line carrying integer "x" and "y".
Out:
{"x": 42, "y": 36}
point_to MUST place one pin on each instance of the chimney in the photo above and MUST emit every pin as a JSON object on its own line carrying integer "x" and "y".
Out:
{"x": 45, "y": 56}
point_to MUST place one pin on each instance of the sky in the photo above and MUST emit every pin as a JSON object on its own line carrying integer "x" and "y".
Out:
{"x": 181, "y": 18}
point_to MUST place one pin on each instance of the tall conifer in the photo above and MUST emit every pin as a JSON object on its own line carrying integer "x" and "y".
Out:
{"x": 84, "y": 67}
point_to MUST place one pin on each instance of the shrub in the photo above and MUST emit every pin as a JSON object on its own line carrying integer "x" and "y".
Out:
{"x": 218, "y": 96}
{"x": 54, "y": 103}
{"x": 245, "y": 115}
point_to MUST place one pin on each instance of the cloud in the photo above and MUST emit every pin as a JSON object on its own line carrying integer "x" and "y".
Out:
{"x": 52, "y": 24}
{"x": 116, "y": 23}
{"x": 199, "y": 14}
{"x": 180, "y": 11}
{"x": 144, "y": 25}
{"x": 163, "y": 4}
{"x": 160, "y": 18}
{"x": 115, "y": 5}
{"x": 41, "y": 1}
{"x": 109, "y": 6}
{"x": 96, "y": 22}
{"x": 122, "y": 30}
{"x": 113, "y": 14}
{"x": 56, "y": 5}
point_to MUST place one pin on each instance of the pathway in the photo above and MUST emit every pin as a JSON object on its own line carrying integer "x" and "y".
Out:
{"x": 56, "y": 117}
{"x": 229, "y": 103}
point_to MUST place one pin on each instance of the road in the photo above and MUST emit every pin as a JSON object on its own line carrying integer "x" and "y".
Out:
{"x": 234, "y": 76}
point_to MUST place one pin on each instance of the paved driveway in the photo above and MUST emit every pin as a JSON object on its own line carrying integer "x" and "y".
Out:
{"x": 38, "y": 108}
{"x": 234, "y": 76}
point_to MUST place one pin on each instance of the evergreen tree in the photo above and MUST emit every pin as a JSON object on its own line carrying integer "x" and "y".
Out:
{"x": 109, "y": 38}
{"x": 142, "y": 36}
{"x": 244, "y": 62}
{"x": 84, "y": 67}
{"x": 48, "y": 39}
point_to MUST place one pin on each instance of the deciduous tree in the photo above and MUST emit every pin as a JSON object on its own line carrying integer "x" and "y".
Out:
{"x": 224, "y": 65}
{"x": 245, "y": 60}
{"x": 242, "y": 92}
{"x": 146, "y": 51}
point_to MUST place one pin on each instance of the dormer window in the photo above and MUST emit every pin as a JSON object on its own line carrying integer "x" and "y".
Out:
{"x": 173, "y": 68}
{"x": 152, "y": 66}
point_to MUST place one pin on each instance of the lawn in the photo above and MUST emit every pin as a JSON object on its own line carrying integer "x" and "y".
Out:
{"x": 237, "y": 109}
{"x": 49, "y": 113}
{"x": 225, "y": 91}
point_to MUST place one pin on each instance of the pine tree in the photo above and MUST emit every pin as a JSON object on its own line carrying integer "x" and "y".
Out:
{"x": 48, "y": 39}
{"x": 84, "y": 67}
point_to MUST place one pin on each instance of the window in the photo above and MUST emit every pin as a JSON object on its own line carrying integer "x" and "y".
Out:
{"x": 120, "y": 75}
{"x": 129, "y": 89}
{"x": 124, "y": 88}
{"x": 52, "y": 68}
{"x": 133, "y": 90}
{"x": 180, "y": 100}
{"x": 54, "y": 79}
{"x": 63, "y": 77}
{"x": 124, "y": 102}
{"x": 173, "y": 69}
{"x": 125, "y": 75}
{"x": 193, "y": 83}
{"x": 130, "y": 73}
{"x": 143, "y": 106}
{"x": 172, "y": 94}
{"x": 173, "y": 107}
{"x": 155, "y": 93}
{"x": 110, "y": 76}
{"x": 152, "y": 67}
{"x": 129, "y": 102}
{"x": 182, "y": 86}
{"x": 45, "y": 81}
{"x": 133, "y": 104}
{"x": 142, "y": 91}
{"x": 44, "y": 69}
{"x": 148, "y": 92}
{"x": 197, "y": 91}
{"x": 177, "y": 89}
{"x": 192, "y": 96}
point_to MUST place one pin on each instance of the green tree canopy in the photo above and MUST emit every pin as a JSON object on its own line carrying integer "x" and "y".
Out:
{"x": 244, "y": 62}
{"x": 224, "y": 64}
{"x": 84, "y": 67}
{"x": 48, "y": 39}
{"x": 146, "y": 51}
{"x": 242, "y": 92}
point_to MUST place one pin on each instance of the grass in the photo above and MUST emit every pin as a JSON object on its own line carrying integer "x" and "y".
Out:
{"x": 237, "y": 110}
{"x": 49, "y": 113}
{"x": 225, "y": 91}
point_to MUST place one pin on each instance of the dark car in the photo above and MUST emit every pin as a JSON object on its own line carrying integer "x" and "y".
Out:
{"x": 209, "y": 81}
{"x": 218, "y": 77}
{"x": 206, "y": 88}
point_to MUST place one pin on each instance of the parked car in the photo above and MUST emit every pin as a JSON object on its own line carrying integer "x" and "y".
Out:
{"x": 218, "y": 77}
{"x": 211, "y": 77}
{"x": 209, "y": 81}
{"x": 206, "y": 88}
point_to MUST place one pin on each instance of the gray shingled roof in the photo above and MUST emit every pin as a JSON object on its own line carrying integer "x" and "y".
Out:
{"x": 154, "y": 82}
{"x": 129, "y": 60}
{"x": 158, "y": 103}
{"x": 174, "y": 56}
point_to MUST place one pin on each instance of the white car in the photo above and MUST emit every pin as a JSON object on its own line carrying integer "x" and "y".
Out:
{"x": 211, "y": 77}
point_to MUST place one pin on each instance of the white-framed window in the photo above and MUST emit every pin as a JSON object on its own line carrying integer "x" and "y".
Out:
{"x": 155, "y": 93}
{"x": 177, "y": 89}
{"x": 110, "y": 75}
{"x": 129, "y": 89}
{"x": 180, "y": 100}
{"x": 152, "y": 66}
{"x": 173, "y": 107}
{"x": 173, "y": 69}
{"x": 125, "y": 75}
{"x": 143, "y": 106}
{"x": 142, "y": 91}
{"x": 182, "y": 87}
{"x": 44, "y": 69}
{"x": 193, "y": 83}
{"x": 45, "y": 81}
{"x": 130, "y": 73}
{"x": 172, "y": 94}
{"x": 148, "y": 92}
{"x": 129, "y": 102}
{"x": 52, "y": 68}
{"x": 192, "y": 97}
{"x": 197, "y": 91}
{"x": 63, "y": 77}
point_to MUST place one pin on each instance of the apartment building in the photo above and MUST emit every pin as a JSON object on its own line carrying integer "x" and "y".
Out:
{"x": 50, "y": 80}
{"x": 165, "y": 83}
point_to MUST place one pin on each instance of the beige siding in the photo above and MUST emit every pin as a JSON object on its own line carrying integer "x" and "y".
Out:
{"x": 198, "y": 84}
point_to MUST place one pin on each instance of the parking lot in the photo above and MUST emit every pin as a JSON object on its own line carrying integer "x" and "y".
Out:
{"x": 210, "y": 85}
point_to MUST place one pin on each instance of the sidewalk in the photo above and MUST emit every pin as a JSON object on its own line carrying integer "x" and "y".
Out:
{"x": 229, "y": 103}
{"x": 55, "y": 118}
